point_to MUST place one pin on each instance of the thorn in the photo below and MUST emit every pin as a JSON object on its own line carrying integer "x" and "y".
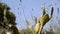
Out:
{"x": 55, "y": 3}
{"x": 58, "y": 10}
{"x": 18, "y": 8}
{"x": 32, "y": 9}
{"x": 20, "y": 0}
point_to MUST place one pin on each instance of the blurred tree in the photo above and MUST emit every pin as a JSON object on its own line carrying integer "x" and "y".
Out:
{"x": 11, "y": 17}
{"x": 7, "y": 18}
{"x": 2, "y": 7}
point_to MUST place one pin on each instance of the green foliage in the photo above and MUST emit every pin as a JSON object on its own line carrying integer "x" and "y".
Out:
{"x": 14, "y": 29}
{"x": 7, "y": 19}
{"x": 11, "y": 18}
{"x": 4, "y": 6}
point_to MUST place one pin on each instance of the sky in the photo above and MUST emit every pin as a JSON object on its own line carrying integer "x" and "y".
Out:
{"x": 31, "y": 8}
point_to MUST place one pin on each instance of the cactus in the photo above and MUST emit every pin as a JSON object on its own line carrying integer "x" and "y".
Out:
{"x": 42, "y": 20}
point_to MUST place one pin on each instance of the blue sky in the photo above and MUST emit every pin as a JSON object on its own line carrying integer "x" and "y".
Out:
{"x": 28, "y": 5}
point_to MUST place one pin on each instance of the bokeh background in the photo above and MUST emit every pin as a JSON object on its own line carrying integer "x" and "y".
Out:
{"x": 31, "y": 8}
